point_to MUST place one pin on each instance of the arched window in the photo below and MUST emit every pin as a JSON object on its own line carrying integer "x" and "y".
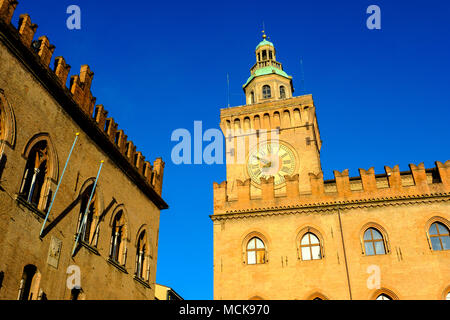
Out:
{"x": 89, "y": 230}
{"x": 282, "y": 92}
{"x": 29, "y": 284}
{"x": 35, "y": 173}
{"x": 310, "y": 247}
{"x": 118, "y": 250}
{"x": 439, "y": 236}
{"x": 374, "y": 242}
{"x": 252, "y": 97}
{"x": 266, "y": 92}
{"x": 264, "y": 54}
{"x": 142, "y": 258}
{"x": 383, "y": 296}
{"x": 256, "y": 251}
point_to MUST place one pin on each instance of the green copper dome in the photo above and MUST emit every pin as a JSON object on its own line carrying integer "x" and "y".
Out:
{"x": 264, "y": 43}
{"x": 265, "y": 71}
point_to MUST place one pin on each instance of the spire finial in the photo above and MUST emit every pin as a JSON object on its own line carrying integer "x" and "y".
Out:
{"x": 263, "y": 31}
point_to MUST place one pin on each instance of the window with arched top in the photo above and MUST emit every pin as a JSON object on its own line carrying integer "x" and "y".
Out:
{"x": 282, "y": 92}
{"x": 310, "y": 248}
{"x": 29, "y": 284}
{"x": 439, "y": 236}
{"x": 118, "y": 251}
{"x": 142, "y": 270}
{"x": 256, "y": 251}
{"x": 36, "y": 170}
{"x": 252, "y": 97}
{"x": 383, "y": 296}
{"x": 374, "y": 243}
{"x": 266, "y": 92}
{"x": 89, "y": 217}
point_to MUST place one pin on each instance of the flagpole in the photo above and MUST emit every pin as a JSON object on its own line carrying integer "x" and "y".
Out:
{"x": 87, "y": 208}
{"x": 59, "y": 183}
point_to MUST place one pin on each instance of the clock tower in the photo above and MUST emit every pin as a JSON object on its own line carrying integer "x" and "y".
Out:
{"x": 274, "y": 134}
{"x": 283, "y": 232}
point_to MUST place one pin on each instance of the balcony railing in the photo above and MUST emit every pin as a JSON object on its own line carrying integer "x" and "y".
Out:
{"x": 266, "y": 63}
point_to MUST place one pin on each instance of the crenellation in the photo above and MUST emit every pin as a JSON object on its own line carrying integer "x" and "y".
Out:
{"x": 130, "y": 150}
{"x": 45, "y": 50}
{"x": 342, "y": 183}
{"x": 220, "y": 194}
{"x": 444, "y": 172}
{"x": 267, "y": 188}
{"x": 243, "y": 190}
{"x": 147, "y": 171}
{"x": 62, "y": 70}
{"x": 80, "y": 87}
{"x": 158, "y": 169}
{"x": 138, "y": 160}
{"x": 366, "y": 186}
{"x": 292, "y": 186}
{"x": 120, "y": 140}
{"x": 7, "y": 8}
{"x": 26, "y": 29}
{"x": 100, "y": 116}
{"x": 317, "y": 184}
{"x": 393, "y": 176}
{"x": 368, "y": 179}
{"x": 111, "y": 129}
{"x": 420, "y": 176}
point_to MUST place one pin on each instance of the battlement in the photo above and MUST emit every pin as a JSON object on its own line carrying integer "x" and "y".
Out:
{"x": 392, "y": 184}
{"x": 80, "y": 91}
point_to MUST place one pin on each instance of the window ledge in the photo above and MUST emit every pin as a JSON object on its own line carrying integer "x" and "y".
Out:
{"x": 141, "y": 281}
{"x": 89, "y": 247}
{"x": 30, "y": 207}
{"x": 117, "y": 265}
{"x": 377, "y": 255}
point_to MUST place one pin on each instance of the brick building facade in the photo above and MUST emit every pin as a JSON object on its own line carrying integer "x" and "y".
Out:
{"x": 39, "y": 119}
{"x": 282, "y": 232}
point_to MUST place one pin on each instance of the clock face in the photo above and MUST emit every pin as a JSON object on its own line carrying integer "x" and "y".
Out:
{"x": 271, "y": 159}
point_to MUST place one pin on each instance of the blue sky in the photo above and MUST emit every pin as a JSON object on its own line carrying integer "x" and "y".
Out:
{"x": 382, "y": 96}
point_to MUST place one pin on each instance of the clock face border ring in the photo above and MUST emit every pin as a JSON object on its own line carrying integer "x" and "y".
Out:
{"x": 257, "y": 147}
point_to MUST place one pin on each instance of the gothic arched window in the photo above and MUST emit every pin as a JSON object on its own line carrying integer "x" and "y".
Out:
{"x": 29, "y": 284}
{"x": 310, "y": 247}
{"x": 256, "y": 251}
{"x": 282, "y": 92}
{"x": 35, "y": 173}
{"x": 89, "y": 229}
{"x": 383, "y": 296}
{"x": 374, "y": 242}
{"x": 118, "y": 238}
{"x": 439, "y": 236}
{"x": 142, "y": 258}
{"x": 266, "y": 91}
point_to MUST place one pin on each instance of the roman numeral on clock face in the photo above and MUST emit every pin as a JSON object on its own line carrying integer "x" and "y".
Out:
{"x": 271, "y": 156}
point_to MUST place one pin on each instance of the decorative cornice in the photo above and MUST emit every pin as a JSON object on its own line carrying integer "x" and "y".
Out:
{"x": 330, "y": 207}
